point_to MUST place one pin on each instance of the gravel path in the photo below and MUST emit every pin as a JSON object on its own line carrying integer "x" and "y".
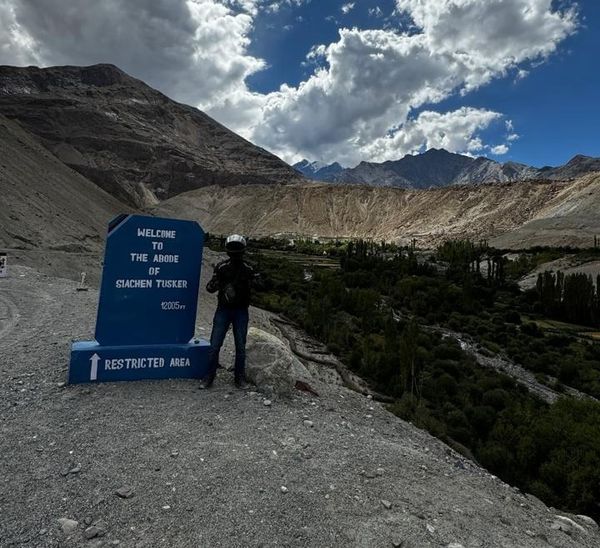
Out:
{"x": 221, "y": 468}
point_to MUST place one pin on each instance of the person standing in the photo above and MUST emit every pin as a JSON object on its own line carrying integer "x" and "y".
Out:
{"x": 233, "y": 279}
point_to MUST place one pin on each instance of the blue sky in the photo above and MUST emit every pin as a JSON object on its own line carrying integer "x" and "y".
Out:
{"x": 555, "y": 109}
{"x": 314, "y": 22}
{"x": 347, "y": 81}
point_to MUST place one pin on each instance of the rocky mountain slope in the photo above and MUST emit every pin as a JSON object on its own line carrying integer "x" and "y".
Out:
{"x": 326, "y": 211}
{"x": 45, "y": 205}
{"x": 150, "y": 464}
{"x": 571, "y": 217}
{"x": 319, "y": 171}
{"x": 436, "y": 168}
{"x": 129, "y": 139}
{"x": 573, "y": 168}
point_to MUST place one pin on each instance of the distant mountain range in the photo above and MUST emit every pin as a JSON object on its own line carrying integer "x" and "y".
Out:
{"x": 438, "y": 168}
{"x": 80, "y": 144}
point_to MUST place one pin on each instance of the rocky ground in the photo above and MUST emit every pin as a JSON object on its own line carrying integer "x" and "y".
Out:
{"x": 151, "y": 464}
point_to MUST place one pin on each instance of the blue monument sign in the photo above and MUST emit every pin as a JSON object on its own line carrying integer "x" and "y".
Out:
{"x": 148, "y": 301}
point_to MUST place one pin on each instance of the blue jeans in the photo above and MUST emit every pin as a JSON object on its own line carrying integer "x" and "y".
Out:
{"x": 224, "y": 317}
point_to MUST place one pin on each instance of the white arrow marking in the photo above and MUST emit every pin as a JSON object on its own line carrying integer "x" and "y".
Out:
{"x": 94, "y": 371}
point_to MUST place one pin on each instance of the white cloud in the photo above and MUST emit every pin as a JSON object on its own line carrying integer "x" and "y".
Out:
{"x": 195, "y": 50}
{"x": 454, "y": 131}
{"x": 488, "y": 37}
{"x": 17, "y": 47}
{"x": 271, "y": 6}
{"x": 361, "y": 99}
{"x": 347, "y": 8}
{"x": 370, "y": 81}
{"x": 375, "y": 12}
{"x": 499, "y": 150}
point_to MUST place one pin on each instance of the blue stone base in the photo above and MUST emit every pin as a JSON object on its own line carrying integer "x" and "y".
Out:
{"x": 92, "y": 362}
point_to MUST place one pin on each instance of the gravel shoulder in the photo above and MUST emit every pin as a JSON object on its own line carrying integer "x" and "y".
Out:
{"x": 221, "y": 468}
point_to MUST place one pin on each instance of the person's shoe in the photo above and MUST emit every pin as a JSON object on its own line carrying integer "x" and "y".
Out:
{"x": 241, "y": 384}
{"x": 205, "y": 384}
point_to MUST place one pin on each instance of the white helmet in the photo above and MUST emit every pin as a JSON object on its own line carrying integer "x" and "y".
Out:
{"x": 235, "y": 244}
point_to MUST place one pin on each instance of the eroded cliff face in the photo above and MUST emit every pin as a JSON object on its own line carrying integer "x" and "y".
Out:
{"x": 129, "y": 139}
{"x": 325, "y": 211}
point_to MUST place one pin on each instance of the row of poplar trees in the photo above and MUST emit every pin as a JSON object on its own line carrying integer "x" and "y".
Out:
{"x": 571, "y": 297}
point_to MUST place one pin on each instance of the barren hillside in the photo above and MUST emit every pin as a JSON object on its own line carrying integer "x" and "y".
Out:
{"x": 326, "y": 211}
{"x": 44, "y": 204}
{"x": 571, "y": 218}
{"x": 128, "y": 138}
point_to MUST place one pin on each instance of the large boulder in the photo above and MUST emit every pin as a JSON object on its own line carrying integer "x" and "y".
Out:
{"x": 272, "y": 366}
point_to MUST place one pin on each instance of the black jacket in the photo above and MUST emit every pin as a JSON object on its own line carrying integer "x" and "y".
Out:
{"x": 233, "y": 279}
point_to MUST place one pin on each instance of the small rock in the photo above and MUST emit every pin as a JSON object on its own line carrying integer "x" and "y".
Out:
{"x": 284, "y": 489}
{"x": 379, "y": 471}
{"x": 567, "y": 525}
{"x": 529, "y": 533}
{"x": 175, "y": 454}
{"x": 397, "y": 543}
{"x": 61, "y": 384}
{"x": 386, "y": 504}
{"x": 430, "y": 528}
{"x": 94, "y": 531}
{"x": 587, "y": 519}
{"x": 88, "y": 521}
{"x": 68, "y": 525}
{"x": 267, "y": 403}
{"x": 74, "y": 470}
{"x": 125, "y": 492}
{"x": 454, "y": 545}
{"x": 166, "y": 507}
{"x": 370, "y": 397}
{"x": 42, "y": 531}
{"x": 308, "y": 423}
